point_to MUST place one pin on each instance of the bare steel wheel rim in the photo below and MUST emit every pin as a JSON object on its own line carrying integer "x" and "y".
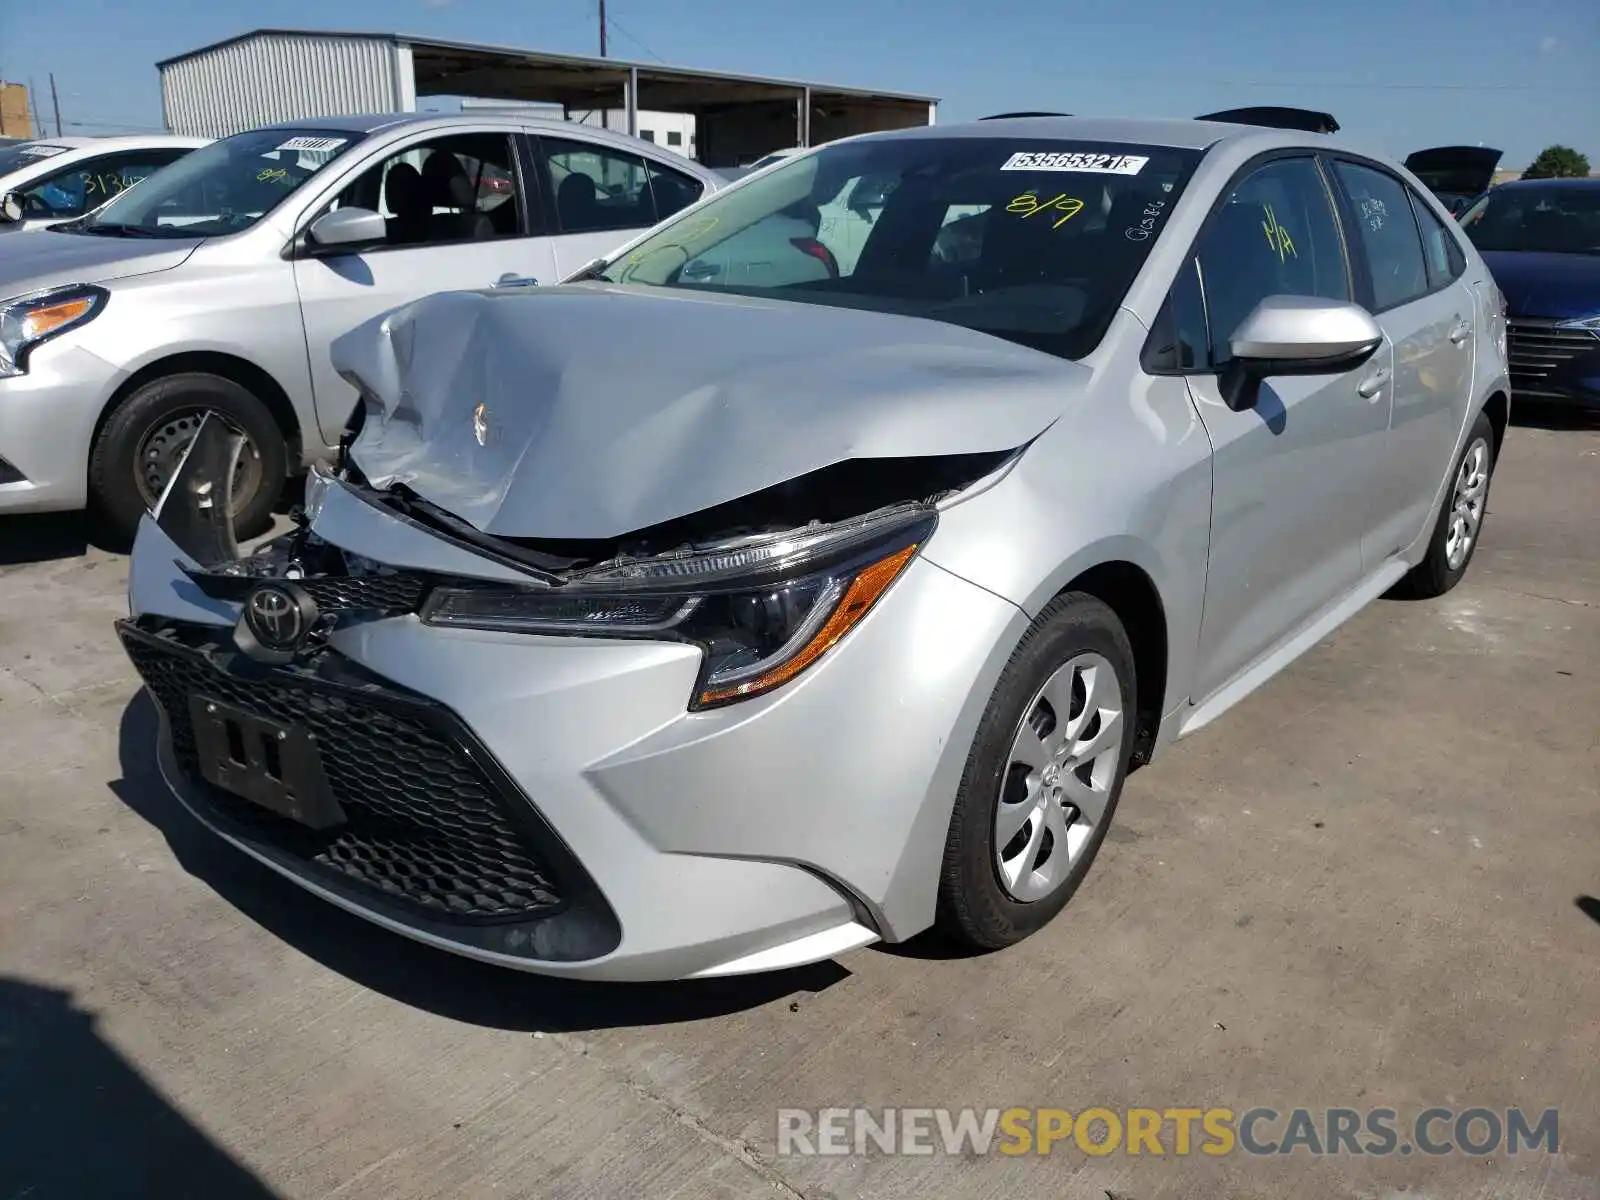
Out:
{"x": 161, "y": 450}
{"x": 1466, "y": 504}
{"x": 1058, "y": 777}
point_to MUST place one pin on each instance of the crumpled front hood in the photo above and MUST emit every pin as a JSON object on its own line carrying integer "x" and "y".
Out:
{"x": 35, "y": 259}
{"x": 1557, "y": 287}
{"x": 592, "y": 411}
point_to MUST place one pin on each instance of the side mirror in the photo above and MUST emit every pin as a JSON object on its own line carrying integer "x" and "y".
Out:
{"x": 1296, "y": 335}
{"x": 10, "y": 208}
{"x": 346, "y": 230}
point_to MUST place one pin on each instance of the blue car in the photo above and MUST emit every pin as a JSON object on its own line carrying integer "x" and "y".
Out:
{"x": 1541, "y": 240}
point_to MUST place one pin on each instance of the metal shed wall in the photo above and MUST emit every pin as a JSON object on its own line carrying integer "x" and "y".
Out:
{"x": 259, "y": 80}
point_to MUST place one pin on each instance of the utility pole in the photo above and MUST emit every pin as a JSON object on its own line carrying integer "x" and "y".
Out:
{"x": 33, "y": 99}
{"x": 605, "y": 113}
{"x": 55, "y": 100}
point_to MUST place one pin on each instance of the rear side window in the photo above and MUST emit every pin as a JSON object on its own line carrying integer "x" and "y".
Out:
{"x": 1440, "y": 250}
{"x": 597, "y": 187}
{"x": 1275, "y": 235}
{"x": 1387, "y": 234}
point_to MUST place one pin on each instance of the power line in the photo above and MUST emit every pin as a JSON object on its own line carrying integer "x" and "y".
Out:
{"x": 632, "y": 37}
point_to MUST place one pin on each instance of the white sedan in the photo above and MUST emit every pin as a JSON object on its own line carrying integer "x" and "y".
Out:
{"x": 49, "y": 180}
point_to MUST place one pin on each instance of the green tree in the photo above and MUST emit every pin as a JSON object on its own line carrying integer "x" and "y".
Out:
{"x": 1557, "y": 162}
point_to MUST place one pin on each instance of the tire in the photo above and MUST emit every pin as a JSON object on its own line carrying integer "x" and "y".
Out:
{"x": 153, "y": 419}
{"x": 1444, "y": 565}
{"x": 987, "y": 892}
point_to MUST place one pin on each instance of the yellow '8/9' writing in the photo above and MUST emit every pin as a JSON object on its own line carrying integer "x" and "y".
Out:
{"x": 1029, "y": 205}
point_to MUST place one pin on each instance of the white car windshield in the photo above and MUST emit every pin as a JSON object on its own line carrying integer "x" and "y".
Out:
{"x": 221, "y": 188}
{"x": 1031, "y": 240}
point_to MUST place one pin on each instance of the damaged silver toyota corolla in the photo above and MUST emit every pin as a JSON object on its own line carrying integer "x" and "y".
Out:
{"x": 839, "y": 602}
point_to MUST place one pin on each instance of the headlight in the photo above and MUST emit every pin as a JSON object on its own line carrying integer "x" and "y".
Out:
{"x": 29, "y": 320}
{"x": 763, "y": 610}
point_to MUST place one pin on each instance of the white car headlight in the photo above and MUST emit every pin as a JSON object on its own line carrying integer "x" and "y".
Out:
{"x": 27, "y": 321}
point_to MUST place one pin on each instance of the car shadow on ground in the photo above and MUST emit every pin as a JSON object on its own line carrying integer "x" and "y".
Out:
{"x": 1530, "y": 414}
{"x": 1589, "y": 906}
{"x": 47, "y": 537}
{"x": 407, "y": 971}
{"x": 77, "y": 1120}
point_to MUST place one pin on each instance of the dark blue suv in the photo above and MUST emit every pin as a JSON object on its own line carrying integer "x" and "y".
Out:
{"x": 1541, "y": 240}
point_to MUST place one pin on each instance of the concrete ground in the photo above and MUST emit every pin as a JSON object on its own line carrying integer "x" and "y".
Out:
{"x": 1372, "y": 884}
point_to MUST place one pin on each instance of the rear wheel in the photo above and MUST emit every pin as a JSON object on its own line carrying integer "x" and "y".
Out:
{"x": 1043, "y": 777}
{"x": 1455, "y": 537}
{"x": 145, "y": 436}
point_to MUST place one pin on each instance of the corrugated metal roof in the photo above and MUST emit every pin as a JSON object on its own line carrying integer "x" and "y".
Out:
{"x": 615, "y": 64}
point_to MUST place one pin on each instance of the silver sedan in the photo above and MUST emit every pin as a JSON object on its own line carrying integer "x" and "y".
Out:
{"x": 840, "y": 604}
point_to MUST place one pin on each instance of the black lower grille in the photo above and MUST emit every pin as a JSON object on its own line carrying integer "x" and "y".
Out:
{"x": 425, "y": 823}
{"x": 1539, "y": 349}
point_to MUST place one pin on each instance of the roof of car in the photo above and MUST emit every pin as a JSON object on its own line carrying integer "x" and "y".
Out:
{"x": 1178, "y": 133}
{"x": 1564, "y": 182}
{"x": 117, "y": 141}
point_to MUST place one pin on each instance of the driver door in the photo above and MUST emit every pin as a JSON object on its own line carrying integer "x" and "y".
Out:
{"x": 1292, "y": 477}
{"x": 459, "y": 217}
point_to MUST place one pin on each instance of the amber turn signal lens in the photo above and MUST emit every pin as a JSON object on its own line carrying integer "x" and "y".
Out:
{"x": 48, "y": 319}
{"x": 870, "y": 583}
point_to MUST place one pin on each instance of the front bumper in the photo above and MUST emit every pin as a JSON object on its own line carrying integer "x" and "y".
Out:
{"x": 47, "y": 422}
{"x": 648, "y": 842}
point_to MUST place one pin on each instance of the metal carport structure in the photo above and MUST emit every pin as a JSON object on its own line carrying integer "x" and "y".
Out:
{"x": 284, "y": 74}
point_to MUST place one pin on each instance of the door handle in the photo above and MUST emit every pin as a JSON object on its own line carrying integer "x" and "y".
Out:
{"x": 509, "y": 279}
{"x": 1461, "y": 332}
{"x": 1373, "y": 384}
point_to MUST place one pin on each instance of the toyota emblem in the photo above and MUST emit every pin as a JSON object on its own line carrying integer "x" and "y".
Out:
{"x": 279, "y": 616}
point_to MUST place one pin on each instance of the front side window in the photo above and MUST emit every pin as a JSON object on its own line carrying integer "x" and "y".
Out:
{"x": 1558, "y": 218}
{"x": 1275, "y": 235}
{"x": 1387, "y": 233}
{"x": 221, "y": 188}
{"x": 1032, "y": 241}
{"x": 460, "y": 188}
{"x": 90, "y": 183}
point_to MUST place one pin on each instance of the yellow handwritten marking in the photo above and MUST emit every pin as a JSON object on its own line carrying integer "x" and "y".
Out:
{"x": 699, "y": 231}
{"x": 1029, "y": 205}
{"x": 270, "y": 173}
{"x": 1277, "y": 236}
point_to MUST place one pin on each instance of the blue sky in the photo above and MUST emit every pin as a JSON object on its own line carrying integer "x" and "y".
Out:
{"x": 1399, "y": 74}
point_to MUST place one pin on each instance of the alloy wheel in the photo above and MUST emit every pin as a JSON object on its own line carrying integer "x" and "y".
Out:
{"x": 1059, "y": 776}
{"x": 1466, "y": 504}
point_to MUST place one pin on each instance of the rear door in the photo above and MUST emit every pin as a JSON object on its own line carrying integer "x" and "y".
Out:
{"x": 1291, "y": 477}
{"x": 1412, "y": 267}
{"x": 598, "y": 196}
{"x": 459, "y": 217}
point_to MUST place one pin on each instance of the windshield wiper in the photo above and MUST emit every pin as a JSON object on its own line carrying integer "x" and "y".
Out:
{"x": 116, "y": 230}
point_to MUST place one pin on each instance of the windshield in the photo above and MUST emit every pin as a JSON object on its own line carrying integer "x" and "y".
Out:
{"x": 1032, "y": 241}
{"x": 14, "y": 158}
{"x": 221, "y": 188}
{"x": 1560, "y": 219}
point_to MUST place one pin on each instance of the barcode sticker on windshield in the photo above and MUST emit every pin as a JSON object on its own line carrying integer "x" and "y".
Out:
{"x": 312, "y": 143}
{"x": 41, "y": 151}
{"x": 1100, "y": 164}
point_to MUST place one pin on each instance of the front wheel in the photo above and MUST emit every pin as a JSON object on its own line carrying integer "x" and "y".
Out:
{"x": 1043, "y": 777}
{"x": 145, "y": 436}
{"x": 1455, "y": 537}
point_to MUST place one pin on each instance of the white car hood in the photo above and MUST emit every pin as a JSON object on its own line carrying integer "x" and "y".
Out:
{"x": 592, "y": 411}
{"x": 35, "y": 259}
